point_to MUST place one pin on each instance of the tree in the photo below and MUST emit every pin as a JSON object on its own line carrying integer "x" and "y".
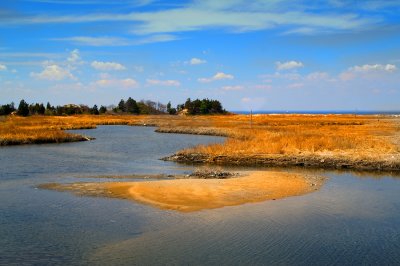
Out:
{"x": 131, "y": 106}
{"x": 121, "y": 105}
{"x": 170, "y": 110}
{"x": 7, "y": 109}
{"x": 144, "y": 109}
{"x": 102, "y": 109}
{"x": 94, "y": 110}
{"x": 41, "y": 109}
{"x": 50, "y": 110}
{"x": 23, "y": 108}
{"x": 204, "y": 107}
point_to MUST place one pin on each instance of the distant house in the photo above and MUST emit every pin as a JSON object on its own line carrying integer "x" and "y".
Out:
{"x": 183, "y": 112}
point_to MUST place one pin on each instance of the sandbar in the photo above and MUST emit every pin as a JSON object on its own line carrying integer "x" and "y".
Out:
{"x": 188, "y": 195}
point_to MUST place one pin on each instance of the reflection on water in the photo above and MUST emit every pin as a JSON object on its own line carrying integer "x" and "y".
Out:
{"x": 351, "y": 220}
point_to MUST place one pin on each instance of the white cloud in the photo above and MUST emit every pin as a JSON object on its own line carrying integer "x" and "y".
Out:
{"x": 53, "y": 72}
{"x": 367, "y": 71}
{"x": 233, "y": 88}
{"x": 295, "y": 86}
{"x": 376, "y": 67}
{"x": 118, "y": 83}
{"x": 288, "y": 65}
{"x": 104, "y": 66}
{"x": 347, "y": 76}
{"x": 302, "y": 31}
{"x": 197, "y": 61}
{"x": 155, "y": 38}
{"x": 168, "y": 83}
{"x": 74, "y": 57}
{"x": 277, "y": 75}
{"x": 218, "y": 76}
{"x": 26, "y": 55}
{"x": 94, "y": 41}
{"x": 317, "y": 76}
{"x": 263, "y": 87}
{"x": 237, "y": 16}
{"x": 3, "y": 67}
{"x": 116, "y": 41}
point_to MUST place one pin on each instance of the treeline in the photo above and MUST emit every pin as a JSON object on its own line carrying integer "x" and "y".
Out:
{"x": 202, "y": 107}
{"x": 129, "y": 106}
{"x": 25, "y": 109}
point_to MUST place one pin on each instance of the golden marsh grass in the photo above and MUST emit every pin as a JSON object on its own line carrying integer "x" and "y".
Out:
{"x": 291, "y": 135}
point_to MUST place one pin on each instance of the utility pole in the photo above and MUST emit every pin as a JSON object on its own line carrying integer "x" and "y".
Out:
{"x": 251, "y": 119}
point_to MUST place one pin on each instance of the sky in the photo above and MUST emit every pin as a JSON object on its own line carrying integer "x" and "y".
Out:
{"x": 250, "y": 55}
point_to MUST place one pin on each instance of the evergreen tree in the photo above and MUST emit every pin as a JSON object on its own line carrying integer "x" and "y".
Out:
{"x": 94, "y": 110}
{"x": 121, "y": 105}
{"x": 7, "y": 109}
{"x": 41, "y": 109}
{"x": 131, "y": 106}
{"x": 23, "y": 108}
{"x": 102, "y": 109}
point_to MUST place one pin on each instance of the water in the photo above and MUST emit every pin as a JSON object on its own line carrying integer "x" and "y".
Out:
{"x": 353, "y": 219}
{"x": 322, "y": 112}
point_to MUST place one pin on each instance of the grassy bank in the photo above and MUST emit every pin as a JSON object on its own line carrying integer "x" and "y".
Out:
{"x": 326, "y": 141}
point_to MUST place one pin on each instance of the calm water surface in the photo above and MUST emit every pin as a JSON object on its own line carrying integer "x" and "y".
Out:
{"x": 353, "y": 219}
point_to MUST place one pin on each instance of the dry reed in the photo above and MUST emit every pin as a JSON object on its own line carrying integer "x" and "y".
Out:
{"x": 365, "y": 136}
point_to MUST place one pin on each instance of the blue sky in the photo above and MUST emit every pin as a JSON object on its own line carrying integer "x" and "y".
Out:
{"x": 270, "y": 55}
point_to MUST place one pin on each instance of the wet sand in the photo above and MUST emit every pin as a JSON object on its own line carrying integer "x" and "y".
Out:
{"x": 187, "y": 195}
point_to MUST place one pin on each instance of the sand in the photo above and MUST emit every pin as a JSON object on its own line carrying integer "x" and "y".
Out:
{"x": 188, "y": 195}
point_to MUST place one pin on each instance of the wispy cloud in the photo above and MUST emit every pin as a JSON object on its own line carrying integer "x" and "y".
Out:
{"x": 3, "y": 67}
{"x": 217, "y": 76}
{"x": 288, "y": 65}
{"x": 74, "y": 57}
{"x": 167, "y": 83}
{"x": 196, "y": 61}
{"x": 233, "y": 88}
{"x": 116, "y": 41}
{"x": 376, "y": 67}
{"x": 127, "y": 83}
{"x": 367, "y": 71}
{"x": 94, "y": 41}
{"x": 94, "y": 2}
{"x": 155, "y": 38}
{"x": 234, "y": 16}
{"x": 105, "y": 66}
{"x": 30, "y": 54}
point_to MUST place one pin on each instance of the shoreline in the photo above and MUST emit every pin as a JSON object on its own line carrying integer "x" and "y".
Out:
{"x": 277, "y": 160}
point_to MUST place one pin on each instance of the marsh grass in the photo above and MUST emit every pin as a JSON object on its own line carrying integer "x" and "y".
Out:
{"x": 365, "y": 136}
